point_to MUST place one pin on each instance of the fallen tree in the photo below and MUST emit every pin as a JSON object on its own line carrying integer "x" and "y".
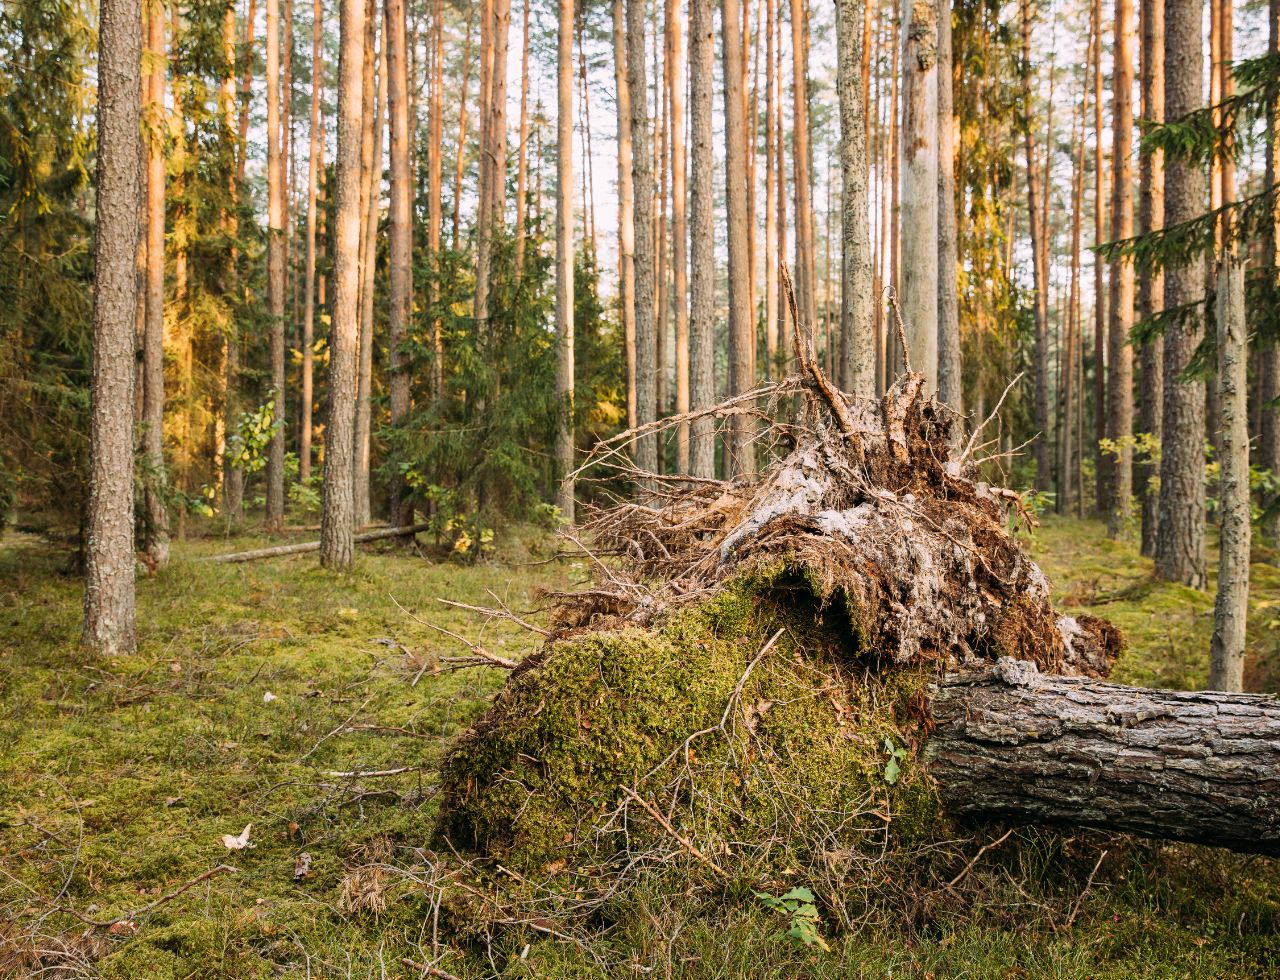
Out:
{"x": 302, "y": 547}
{"x": 826, "y": 665}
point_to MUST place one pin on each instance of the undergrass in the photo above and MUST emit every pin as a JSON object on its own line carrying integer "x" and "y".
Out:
{"x": 119, "y": 779}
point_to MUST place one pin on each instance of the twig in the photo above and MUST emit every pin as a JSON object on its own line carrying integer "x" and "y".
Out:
{"x": 680, "y": 839}
{"x": 1075, "y": 908}
{"x": 902, "y": 331}
{"x": 185, "y": 886}
{"x": 427, "y": 970}
{"x": 368, "y": 773}
{"x": 502, "y": 613}
{"x": 480, "y": 652}
{"x": 985, "y": 422}
{"x": 978, "y": 857}
{"x": 337, "y": 730}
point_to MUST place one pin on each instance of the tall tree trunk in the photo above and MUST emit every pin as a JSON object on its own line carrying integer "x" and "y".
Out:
{"x": 1120, "y": 375}
{"x": 434, "y": 187}
{"x": 309, "y": 289}
{"x": 950, "y": 383}
{"x": 337, "y": 514}
{"x": 771, "y": 106}
{"x": 522, "y": 166}
{"x": 1100, "y": 460}
{"x": 919, "y": 160}
{"x": 702, "y": 284}
{"x": 662, "y": 297}
{"x": 400, "y": 237}
{"x": 493, "y": 161}
{"x": 626, "y": 209}
{"x": 1151, "y": 284}
{"x": 741, "y": 447}
{"x": 229, "y": 223}
{"x": 806, "y": 262}
{"x": 460, "y": 155}
{"x": 564, "y": 257}
{"x": 642, "y": 188}
{"x": 156, "y": 528}
{"x": 780, "y": 174}
{"x": 679, "y": 227}
{"x": 1035, "y": 215}
{"x": 1067, "y": 485}
{"x": 1180, "y": 545}
{"x": 858, "y": 362}
{"x": 275, "y": 271}
{"x": 109, "y": 617}
{"x": 1269, "y": 375}
{"x": 371, "y": 193}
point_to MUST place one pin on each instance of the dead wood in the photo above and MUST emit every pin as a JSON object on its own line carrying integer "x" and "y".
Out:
{"x": 303, "y": 547}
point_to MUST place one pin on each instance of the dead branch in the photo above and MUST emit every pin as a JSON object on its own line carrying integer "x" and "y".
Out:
{"x": 303, "y": 547}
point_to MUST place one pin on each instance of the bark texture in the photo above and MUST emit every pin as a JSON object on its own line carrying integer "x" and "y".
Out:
{"x": 1151, "y": 285}
{"x": 858, "y": 363}
{"x": 702, "y": 285}
{"x": 626, "y": 208}
{"x": 1035, "y": 216}
{"x": 314, "y": 163}
{"x": 109, "y": 615}
{"x": 642, "y": 188}
{"x": 950, "y": 382}
{"x": 400, "y": 238}
{"x": 679, "y": 229}
{"x": 564, "y": 258}
{"x": 275, "y": 269}
{"x": 1180, "y": 553}
{"x": 1194, "y": 766}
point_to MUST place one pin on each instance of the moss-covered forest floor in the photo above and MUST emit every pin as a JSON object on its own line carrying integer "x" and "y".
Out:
{"x": 267, "y": 693}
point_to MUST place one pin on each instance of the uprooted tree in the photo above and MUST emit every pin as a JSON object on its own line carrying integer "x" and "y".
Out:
{"x": 847, "y": 652}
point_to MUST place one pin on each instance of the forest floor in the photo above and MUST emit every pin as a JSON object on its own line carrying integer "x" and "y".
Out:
{"x": 270, "y": 694}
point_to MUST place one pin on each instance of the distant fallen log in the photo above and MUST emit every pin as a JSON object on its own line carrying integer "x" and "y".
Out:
{"x": 305, "y": 546}
{"x": 1199, "y": 766}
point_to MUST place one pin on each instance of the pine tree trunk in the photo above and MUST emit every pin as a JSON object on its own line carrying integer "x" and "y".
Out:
{"x": 309, "y": 289}
{"x": 522, "y": 165}
{"x": 275, "y": 271}
{"x": 950, "y": 382}
{"x": 1151, "y": 284}
{"x": 1120, "y": 375}
{"x": 771, "y": 107}
{"x": 1100, "y": 460}
{"x": 1180, "y": 555}
{"x": 1269, "y": 372}
{"x": 460, "y": 154}
{"x": 109, "y": 616}
{"x": 371, "y": 166}
{"x": 858, "y": 364}
{"x": 679, "y": 227}
{"x": 919, "y": 161}
{"x": 434, "y": 188}
{"x": 806, "y": 262}
{"x": 1067, "y": 485}
{"x": 564, "y": 258}
{"x": 785, "y": 355}
{"x": 400, "y": 235}
{"x": 644, "y": 261}
{"x": 702, "y": 285}
{"x": 1035, "y": 215}
{"x": 626, "y": 209}
{"x": 493, "y": 158}
{"x": 337, "y": 515}
{"x": 156, "y": 527}
{"x": 1201, "y": 767}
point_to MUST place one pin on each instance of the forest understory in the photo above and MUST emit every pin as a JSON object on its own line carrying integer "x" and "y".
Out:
{"x": 313, "y": 711}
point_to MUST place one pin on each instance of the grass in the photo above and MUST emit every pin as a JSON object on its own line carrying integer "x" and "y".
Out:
{"x": 256, "y": 687}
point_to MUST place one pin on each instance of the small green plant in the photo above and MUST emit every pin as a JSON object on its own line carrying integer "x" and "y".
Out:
{"x": 799, "y": 904}
{"x": 247, "y": 446}
{"x": 897, "y": 755}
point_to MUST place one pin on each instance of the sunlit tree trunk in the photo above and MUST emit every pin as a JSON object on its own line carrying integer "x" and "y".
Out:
{"x": 702, "y": 285}
{"x": 460, "y": 155}
{"x": 806, "y": 263}
{"x": 109, "y": 617}
{"x": 400, "y": 234}
{"x": 1151, "y": 283}
{"x": 642, "y": 188}
{"x": 1067, "y": 485}
{"x": 858, "y": 365}
{"x": 493, "y": 160}
{"x": 1120, "y": 373}
{"x": 434, "y": 188}
{"x": 780, "y": 174}
{"x": 371, "y": 172}
{"x": 950, "y": 386}
{"x": 564, "y": 257}
{"x": 662, "y": 295}
{"x": 1035, "y": 215}
{"x": 679, "y": 226}
{"x": 771, "y": 98}
{"x": 156, "y": 526}
{"x": 1100, "y": 459}
{"x": 309, "y": 289}
{"x": 741, "y": 447}
{"x": 919, "y": 142}
{"x": 1180, "y": 555}
{"x": 626, "y": 209}
{"x": 522, "y": 166}
{"x": 1269, "y": 379}
{"x": 275, "y": 270}
{"x": 337, "y": 515}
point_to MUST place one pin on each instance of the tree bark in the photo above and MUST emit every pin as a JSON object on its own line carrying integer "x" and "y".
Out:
{"x": 1269, "y": 380}
{"x": 156, "y": 527}
{"x": 400, "y": 237}
{"x": 858, "y": 362}
{"x": 434, "y": 188}
{"x": 275, "y": 271}
{"x": 679, "y": 229}
{"x": 522, "y": 160}
{"x": 626, "y": 209}
{"x": 460, "y": 155}
{"x": 337, "y": 514}
{"x": 109, "y": 616}
{"x": 1194, "y": 766}
{"x": 741, "y": 445}
{"x": 564, "y": 257}
{"x": 1151, "y": 284}
{"x": 806, "y": 262}
{"x": 950, "y": 382}
{"x": 919, "y": 148}
{"x": 309, "y": 289}
{"x": 1120, "y": 374}
{"x": 702, "y": 285}
{"x": 303, "y": 547}
{"x": 642, "y": 189}
{"x": 371, "y": 194}
{"x": 1180, "y": 555}
{"x": 1100, "y": 460}
{"x": 1040, "y": 355}
{"x": 772, "y": 99}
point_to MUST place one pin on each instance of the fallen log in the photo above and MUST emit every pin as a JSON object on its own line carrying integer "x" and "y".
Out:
{"x": 305, "y": 546}
{"x": 1199, "y": 766}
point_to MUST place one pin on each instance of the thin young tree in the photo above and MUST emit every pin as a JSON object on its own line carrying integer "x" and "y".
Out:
{"x": 645, "y": 252}
{"x": 679, "y": 226}
{"x": 858, "y": 363}
{"x": 950, "y": 381}
{"x": 461, "y": 147}
{"x": 1120, "y": 372}
{"x": 400, "y": 238}
{"x": 806, "y": 262}
{"x": 156, "y": 526}
{"x": 771, "y": 106}
{"x": 434, "y": 187}
{"x": 306, "y": 410}
{"x": 109, "y": 614}
{"x": 275, "y": 271}
{"x": 564, "y": 257}
{"x": 1180, "y": 549}
{"x": 1269, "y": 373}
{"x": 1100, "y": 459}
{"x": 370, "y": 195}
{"x": 626, "y": 209}
{"x": 522, "y": 166}
{"x": 1151, "y": 284}
{"x": 337, "y": 514}
{"x": 702, "y": 286}
{"x": 1039, "y": 272}
{"x": 919, "y": 162}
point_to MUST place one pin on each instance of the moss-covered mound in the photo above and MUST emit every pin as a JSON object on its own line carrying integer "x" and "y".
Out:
{"x": 751, "y": 722}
